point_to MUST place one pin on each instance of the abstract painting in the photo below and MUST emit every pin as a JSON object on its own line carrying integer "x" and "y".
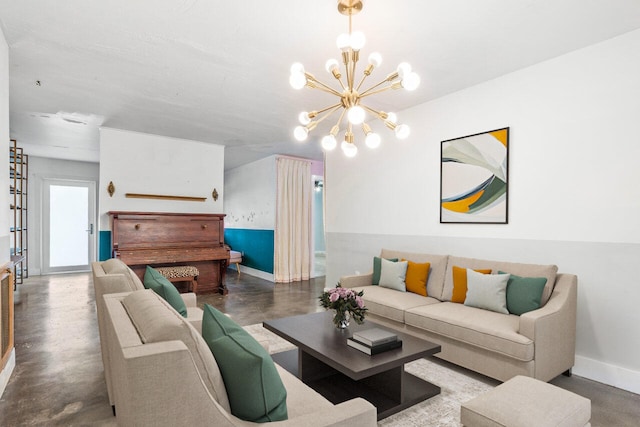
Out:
{"x": 474, "y": 178}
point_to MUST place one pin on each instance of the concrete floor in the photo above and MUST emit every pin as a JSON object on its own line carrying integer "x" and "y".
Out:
{"x": 59, "y": 380}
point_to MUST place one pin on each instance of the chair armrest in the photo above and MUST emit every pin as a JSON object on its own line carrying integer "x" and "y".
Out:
{"x": 353, "y": 413}
{"x": 553, "y": 329}
{"x": 190, "y": 299}
{"x": 356, "y": 280}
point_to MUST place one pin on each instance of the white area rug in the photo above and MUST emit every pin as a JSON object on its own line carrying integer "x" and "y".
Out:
{"x": 458, "y": 386}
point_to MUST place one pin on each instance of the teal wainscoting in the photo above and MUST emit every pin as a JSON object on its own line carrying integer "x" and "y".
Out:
{"x": 104, "y": 245}
{"x": 256, "y": 246}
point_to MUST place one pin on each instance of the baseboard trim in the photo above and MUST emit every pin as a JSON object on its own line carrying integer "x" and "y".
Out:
{"x": 612, "y": 375}
{"x": 7, "y": 371}
{"x": 253, "y": 272}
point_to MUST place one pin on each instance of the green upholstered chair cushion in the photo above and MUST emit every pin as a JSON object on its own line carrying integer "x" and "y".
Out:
{"x": 255, "y": 390}
{"x": 163, "y": 287}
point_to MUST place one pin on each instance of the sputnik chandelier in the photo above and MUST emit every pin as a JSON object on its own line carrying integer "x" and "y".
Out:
{"x": 350, "y": 94}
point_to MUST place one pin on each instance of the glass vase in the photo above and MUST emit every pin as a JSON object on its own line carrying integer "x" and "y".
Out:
{"x": 341, "y": 319}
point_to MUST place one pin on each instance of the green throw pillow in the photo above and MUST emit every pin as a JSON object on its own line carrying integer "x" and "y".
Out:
{"x": 377, "y": 269}
{"x": 524, "y": 294}
{"x": 254, "y": 387}
{"x": 163, "y": 287}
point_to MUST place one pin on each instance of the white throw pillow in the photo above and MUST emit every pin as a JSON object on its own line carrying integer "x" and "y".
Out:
{"x": 392, "y": 274}
{"x": 487, "y": 291}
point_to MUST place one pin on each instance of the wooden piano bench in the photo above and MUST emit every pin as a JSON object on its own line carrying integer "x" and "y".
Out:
{"x": 181, "y": 273}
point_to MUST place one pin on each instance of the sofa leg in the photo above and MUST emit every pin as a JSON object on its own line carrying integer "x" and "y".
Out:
{"x": 113, "y": 409}
{"x": 567, "y": 373}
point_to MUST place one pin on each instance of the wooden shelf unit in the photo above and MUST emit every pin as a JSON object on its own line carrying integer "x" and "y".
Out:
{"x": 19, "y": 207}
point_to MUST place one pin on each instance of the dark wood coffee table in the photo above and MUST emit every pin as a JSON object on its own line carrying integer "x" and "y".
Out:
{"x": 324, "y": 362}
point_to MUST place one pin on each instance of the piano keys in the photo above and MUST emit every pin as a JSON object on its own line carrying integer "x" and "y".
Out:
{"x": 170, "y": 239}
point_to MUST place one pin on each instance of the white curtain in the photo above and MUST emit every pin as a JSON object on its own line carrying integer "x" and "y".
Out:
{"x": 292, "y": 257}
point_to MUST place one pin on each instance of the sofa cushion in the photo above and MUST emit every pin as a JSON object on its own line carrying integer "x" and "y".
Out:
{"x": 460, "y": 282}
{"x": 524, "y": 294}
{"x": 417, "y": 275}
{"x": 391, "y": 304}
{"x": 392, "y": 274}
{"x": 377, "y": 266}
{"x": 436, "y": 274}
{"x": 116, "y": 266}
{"x": 255, "y": 390}
{"x": 163, "y": 287}
{"x": 492, "y": 331}
{"x": 155, "y": 321}
{"x": 487, "y": 291}
{"x": 525, "y": 270}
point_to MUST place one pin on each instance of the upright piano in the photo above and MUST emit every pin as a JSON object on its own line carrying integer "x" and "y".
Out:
{"x": 171, "y": 239}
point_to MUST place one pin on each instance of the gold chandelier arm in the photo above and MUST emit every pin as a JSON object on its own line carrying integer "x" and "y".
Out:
{"x": 384, "y": 89}
{"x": 314, "y": 83}
{"x": 379, "y": 114}
{"x": 329, "y": 111}
{"x": 390, "y": 78}
{"x": 364, "y": 77}
{"x": 337, "y": 125}
{"x": 331, "y": 107}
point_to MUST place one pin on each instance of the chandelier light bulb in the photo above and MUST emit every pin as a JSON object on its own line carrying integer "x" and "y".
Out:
{"x": 403, "y": 69}
{"x": 304, "y": 118}
{"x": 356, "y": 115}
{"x": 375, "y": 59}
{"x": 329, "y": 142}
{"x": 296, "y": 68}
{"x": 343, "y": 42}
{"x": 297, "y": 80}
{"x": 402, "y": 131}
{"x": 300, "y": 133}
{"x": 331, "y": 65}
{"x": 357, "y": 40}
{"x": 411, "y": 81}
{"x": 392, "y": 117}
{"x": 349, "y": 149}
{"x": 372, "y": 140}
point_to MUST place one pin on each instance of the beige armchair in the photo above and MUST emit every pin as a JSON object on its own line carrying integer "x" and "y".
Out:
{"x": 114, "y": 276}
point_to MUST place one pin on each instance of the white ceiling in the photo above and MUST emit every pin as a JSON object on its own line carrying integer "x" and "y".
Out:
{"x": 217, "y": 71}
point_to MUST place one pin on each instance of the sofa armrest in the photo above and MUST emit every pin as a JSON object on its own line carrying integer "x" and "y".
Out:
{"x": 353, "y": 413}
{"x": 356, "y": 280}
{"x": 190, "y": 299}
{"x": 553, "y": 329}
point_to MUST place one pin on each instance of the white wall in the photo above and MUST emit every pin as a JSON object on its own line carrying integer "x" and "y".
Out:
{"x": 151, "y": 164}
{"x": 573, "y": 190}
{"x": 250, "y": 195}
{"x": 4, "y": 149}
{"x": 41, "y": 168}
{"x": 5, "y": 373}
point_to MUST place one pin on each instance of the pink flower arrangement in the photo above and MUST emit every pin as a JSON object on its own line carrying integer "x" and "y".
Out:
{"x": 346, "y": 302}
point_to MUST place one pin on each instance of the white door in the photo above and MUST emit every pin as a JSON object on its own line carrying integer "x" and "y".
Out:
{"x": 68, "y": 238}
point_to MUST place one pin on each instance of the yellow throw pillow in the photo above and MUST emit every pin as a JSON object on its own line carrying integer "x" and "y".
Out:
{"x": 460, "y": 283}
{"x": 416, "y": 279}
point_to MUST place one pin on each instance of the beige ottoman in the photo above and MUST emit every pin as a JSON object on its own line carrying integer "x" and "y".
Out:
{"x": 526, "y": 402}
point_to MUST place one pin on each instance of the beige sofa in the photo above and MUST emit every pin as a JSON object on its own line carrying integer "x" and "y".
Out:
{"x": 538, "y": 344}
{"x": 164, "y": 374}
{"x": 113, "y": 276}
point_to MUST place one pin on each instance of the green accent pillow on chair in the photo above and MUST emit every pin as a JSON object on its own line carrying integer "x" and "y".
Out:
{"x": 254, "y": 387}
{"x": 160, "y": 285}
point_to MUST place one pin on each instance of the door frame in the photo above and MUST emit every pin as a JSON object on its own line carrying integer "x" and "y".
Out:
{"x": 45, "y": 224}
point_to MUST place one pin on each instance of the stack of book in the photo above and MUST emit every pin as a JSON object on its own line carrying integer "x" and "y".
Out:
{"x": 373, "y": 341}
